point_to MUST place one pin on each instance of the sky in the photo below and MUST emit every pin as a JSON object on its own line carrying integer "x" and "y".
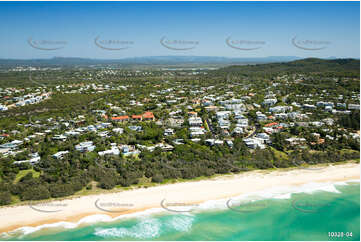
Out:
{"x": 115, "y": 30}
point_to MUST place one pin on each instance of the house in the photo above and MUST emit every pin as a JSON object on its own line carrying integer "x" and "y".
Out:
{"x": 192, "y": 114}
{"x": 316, "y": 135}
{"x": 243, "y": 123}
{"x": 224, "y": 124}
{"x": 237, "y": 131}
{"x": 302, "y": 124}
{"x": 175, "y": 122}
{"x": 256, "y": 105}
{"x": 223, "y": 114}
{"x": 128, "y": 150}
{"x": 135, "y": 128}
{"x": 196, "y": 131}
{"x": 59, "y": 137}
{"x": 271, "y": 124}
{"x": 254, "y": 143}
{"x": 265, "y": 137}
{"x": 280, "y": 109}
{"x": 72, "y": 133}
{"x": 296, "y": 104}
{"x": 269, "y": 102}
{"x": 239, "y": 116}
{"x": 294, "y": 115}
{"x": 328, "y": 121}
{"x": 196, "y": 140}
{"x": 341, "y": 105}
{"x": 178, "y": 142}
{"x": 123, "y": 118}
{"x": 163, "y": 147}
{"x": 60, "y": 154}
{"x": 329, "y": 137}
{"x": 261, "y": 116}
{"x": 328, "y": 108}
{"x": 5, "y": 151}
{"x": 148, "y": 116}
{"x": 281, "y": 116}
{"x": 113, "y": 151}
{"x": 317, "y": 123}
{"x": 272, "y": 129}
{"x": 85, "y": 146}
{"x": 195, "y": 121}
{"x": 103, "y": 134}
{"x": 212, "y": 142}
{"x": 137, "y": 117}
{"x": 229, "y": 143}
{"x": 3, "y": 108}
{"x": 103, "y": 125}
{"x": 91, "y": 128}
{"x": 318, "y": 142}
{"x": 175, "y": 113}
{"x": 118, "y": 130}
{"x": 324, "y": 104}
{"x": 240, "y": 107}
{"x": 11, "y": 145}
{"x": 354, "y": 106}
{"x": 168, "y": 132}
{"x": 295, "y": 141}
{"x": 211, "y": 108}
{"x": 35, "y": 158}
{"x": 308, "y": 106}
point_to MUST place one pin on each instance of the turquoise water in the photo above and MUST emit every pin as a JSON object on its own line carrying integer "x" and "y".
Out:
{"x": 302, "y": 216}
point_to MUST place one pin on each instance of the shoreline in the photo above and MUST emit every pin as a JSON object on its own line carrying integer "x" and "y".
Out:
{"x": 190, "y": 192}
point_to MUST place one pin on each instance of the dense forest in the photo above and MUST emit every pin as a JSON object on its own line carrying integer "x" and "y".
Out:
{"x": 335, "y": 68}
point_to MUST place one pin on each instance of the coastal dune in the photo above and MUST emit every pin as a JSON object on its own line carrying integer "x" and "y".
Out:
{"x": 178, "y": 195}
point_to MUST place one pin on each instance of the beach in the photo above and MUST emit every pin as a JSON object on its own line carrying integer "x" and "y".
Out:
{"x": 172, "y": 196}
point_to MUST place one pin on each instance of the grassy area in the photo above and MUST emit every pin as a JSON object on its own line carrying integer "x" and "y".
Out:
{"x": 206, "y": 125}
{"x": 23, "y": 173}
{"x": 279, "y": 154}
{"x": 349, "y": 151}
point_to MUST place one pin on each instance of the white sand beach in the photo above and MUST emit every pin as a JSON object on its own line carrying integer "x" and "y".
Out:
{"x": 192, "y": 192}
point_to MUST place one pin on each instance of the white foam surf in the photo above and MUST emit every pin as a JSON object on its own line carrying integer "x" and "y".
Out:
{"x": 281, "y": 192}
{"x": 147, "y": 228}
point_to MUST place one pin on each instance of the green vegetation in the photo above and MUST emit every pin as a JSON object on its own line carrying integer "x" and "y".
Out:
{"x": 83, "y": 102}
{"x": 20, "y": 176}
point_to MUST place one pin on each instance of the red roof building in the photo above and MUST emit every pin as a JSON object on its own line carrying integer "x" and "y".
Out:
{"x": 121, "y": 118}
{"x": 148, "y": 116}
{"x": 271, "y": 124}
{"x": 137, "y": 117}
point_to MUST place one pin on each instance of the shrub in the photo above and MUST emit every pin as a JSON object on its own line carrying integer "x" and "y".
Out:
{"x": 5, "y": 198}
{"x": 158, "y": 178}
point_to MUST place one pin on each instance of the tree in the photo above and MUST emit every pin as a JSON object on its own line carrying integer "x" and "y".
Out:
{"x": 35, "y": 193}
{"x": 157, "y": 178}
{"x": 5, "y": 198}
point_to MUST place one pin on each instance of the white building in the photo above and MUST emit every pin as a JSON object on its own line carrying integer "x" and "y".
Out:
{"x": 354, "y": 106}
{"x": 168, "y": 132}
{"x": 85, "y": 146}
{"x": 113, "y": 151}
{"x": 254, "y": 143}
{"x": 60, "y": 154}
{"x": 118, "y": 130}
{"x": 195, "y": 121}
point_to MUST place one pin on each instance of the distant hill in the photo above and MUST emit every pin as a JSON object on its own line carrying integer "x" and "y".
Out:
{"x": 342, "y": 67}
{"x": 151, "y": 60}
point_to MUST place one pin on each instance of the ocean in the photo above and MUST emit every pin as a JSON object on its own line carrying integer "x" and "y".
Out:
{"x": 327, "y": 211}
